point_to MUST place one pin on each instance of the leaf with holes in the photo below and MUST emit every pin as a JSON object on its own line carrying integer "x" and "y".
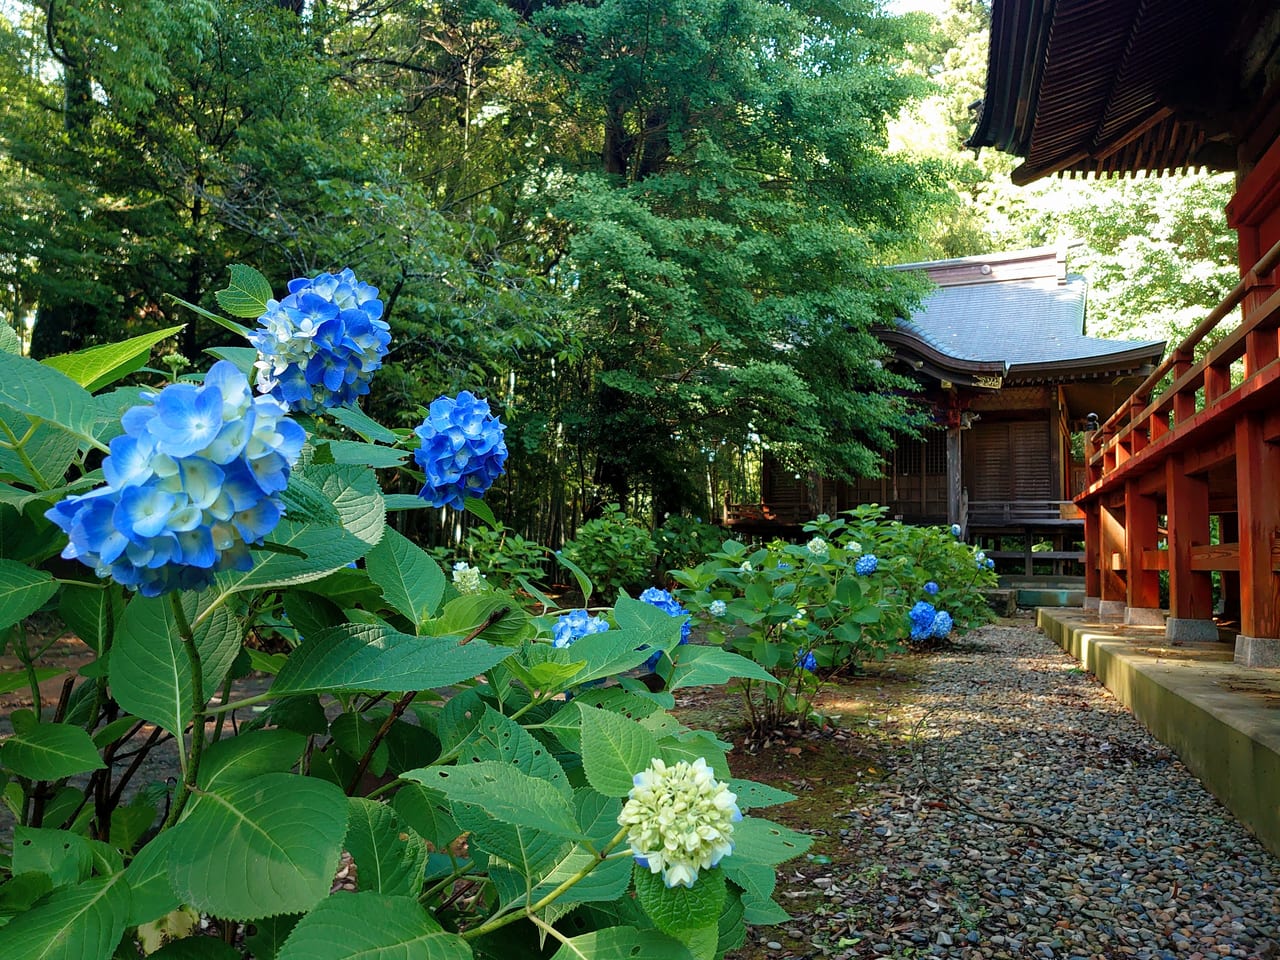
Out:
{"x": 756, "y": 840}
{"x": 81, "y": 922}
{"x": 389, "y": 856}
{"x": 622, "y": 943}
{"x": 497, "y": 737}
{"x": 373, "y": 927}
{"x": 259, "y": 847}
{"x": 752, "y": 795}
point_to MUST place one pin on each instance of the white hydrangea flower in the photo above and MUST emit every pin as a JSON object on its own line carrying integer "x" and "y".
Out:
{"x": 855, "y": 546}
{"x": 746, "y": 566}
{"x": 818, "y": 547}
{"x": 717, "y": 608}
{"x": 680, "y": 820}
{"x": 466, "y": 578}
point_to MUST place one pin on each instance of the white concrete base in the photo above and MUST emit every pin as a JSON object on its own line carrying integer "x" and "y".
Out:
{"x": 1144, "y": 617}
{"x": 1112, "y": 608}
{"x": 1091, "y": 604}
{"x": 1257, "y": 651}
{"x": 1189, "y": 630}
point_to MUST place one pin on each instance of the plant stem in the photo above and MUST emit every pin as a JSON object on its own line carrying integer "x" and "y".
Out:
{"x": 396, "y": 713}
{"x": 198, "y": 714}
{"x": 501, "y": 921}
{"x": 28, "y": 662}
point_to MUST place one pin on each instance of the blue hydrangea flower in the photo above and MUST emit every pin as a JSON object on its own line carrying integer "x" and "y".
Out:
{"x": 575, "y": 625}
{"x": 955, "y": 529}
{"x": 783, "y": 565}
{"x": 991, "y": 564}
{"x": 320, "y": 345}
{"x": 922, "y": 616}
{"x": 931, "y": 588}
{"x": 717, "y": 608}
{"x": 191, "y": 484}
{"x": 807, "y": 661}
{"x": 462, "y": 450}
{"x": 866, "y": 565}
{"x": 671, "y": 606}
{"x": 942, "y": 624}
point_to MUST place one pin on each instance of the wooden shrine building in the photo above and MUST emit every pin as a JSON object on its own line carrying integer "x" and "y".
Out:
{"x": 1000, "y": 352}
{"x": 1185, "y": 477}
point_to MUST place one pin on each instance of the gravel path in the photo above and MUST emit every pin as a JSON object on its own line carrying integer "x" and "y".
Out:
{"x": 1114, "y": 849}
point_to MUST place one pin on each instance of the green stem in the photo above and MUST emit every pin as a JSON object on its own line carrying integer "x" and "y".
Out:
{"x": 237, "y": 704}
{"x": 18, "y": 447}
{"x": 501, "y": 921}
{"x": 28, "y": 662}
{"x": 198, "y": 714}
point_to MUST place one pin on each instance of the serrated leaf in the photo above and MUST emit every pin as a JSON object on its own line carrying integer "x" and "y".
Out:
{"x": 259, "y": 847}
{"x": 227, "y": 324}
{"x": 756, "y": 840}
{"x": 23, "y": 591}
{"x": 504, "y": 793}
{"x": 96, "y": 367}
{"x": 249, "y": 755}
{"x": 82, "y": 922}
{"x": 752, "y": 795}
{"x": 497, "y": 737}
{"x": 614, "y": 750}
{"x": 11, "y": 680}
{"x": 50, "y": 752}
{"x": 373, "y": 455}
{"x": 353, "y": 734}
{"x": 91, "y": 612}
{"x": 197, "y": 948}
{"x": 42, "y": 393}
{"x": 411, "y": 581}
{"x": 692, "y": 744}
{"x": 49, "y": 451}
{"x": 148, "y": 876}
{"x": 305, "y": 502}
{"x": 246, "y": 294}
{"x": 357, "y": 421}
{"x": 679, "y": 910}
{"x": 428, "y": 812}
{"x": 390, "y": 857}
{"x": 463, "y": 615}
{"x": 622, "y": 943}
{"x": 733, "y": 927}
{"x": 478, "y": 508}
{"x": 62, "y": 856}
{"x": 9, "y": 341}
{"x": 243, "y": 358}
{"x": 372, "y": 927}
{"x": 397, "y": 502}
{"x": 371, "y": 657}
{"x": 20, "y": 892}
{"x": 149, "y": 668}
{"x": 712, "y": 666}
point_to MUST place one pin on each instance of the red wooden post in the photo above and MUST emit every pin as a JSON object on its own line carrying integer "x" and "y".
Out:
{"x": 1113, "y": 592}
{"x": 1257, "y": 468}
{"x": 1184, "y": 402}
{"x": 1092, "y": 556}
{"x": 1217, "y": 381}
{"x": 1190, "y": 591}
{"x": 1142, "y": 530}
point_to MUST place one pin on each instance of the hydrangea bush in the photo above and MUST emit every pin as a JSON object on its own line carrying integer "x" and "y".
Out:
{"x": 417, "y": 721}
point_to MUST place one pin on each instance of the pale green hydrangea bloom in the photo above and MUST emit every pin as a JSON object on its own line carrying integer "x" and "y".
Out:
{"x": 818, "y": 547}
{"x": 680, "y": 820}
{"x": 466, "y": 578}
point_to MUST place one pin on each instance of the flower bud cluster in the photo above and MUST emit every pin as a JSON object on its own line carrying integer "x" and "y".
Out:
{"x": 466, "y": 578}
{"x": 680, "y": 820}
{"x": 866, "y": 565}
{"x": 193, "y": 481}
{"x": 320, "y": 345}
{"x": 575, "y": 625}
{"x": 462, "y": 450}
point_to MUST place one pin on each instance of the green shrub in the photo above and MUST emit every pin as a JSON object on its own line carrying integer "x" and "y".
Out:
{"x": 614, "y": 551}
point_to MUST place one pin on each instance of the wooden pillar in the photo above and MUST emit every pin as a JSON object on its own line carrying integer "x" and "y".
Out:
{"x": 1229, "y": 532}
{"x": 1257, "y": 467}
{"x": 1141, "y": 532}
{"x": 1113, "y": 591}
{"x": 954, "y": 482}
{"x": 1092, "y": 556}
{"x": 1190, "y": 591}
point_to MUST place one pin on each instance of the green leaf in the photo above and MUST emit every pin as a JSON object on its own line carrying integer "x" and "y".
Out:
{"x": 50, "y": 752}
{"x": 411, "y": 581}
{"x": 390, "y": 857}
{"x": 92, "y": 611}
{"x": 711, "y": 666}
{"x": 614, "y": 750}
{"x": 246, "y": 295}
{"x": 404, "y": 501}
{"x": 19, "y": 893}
{"x": 259, "y": 847}
{"x": 269, "y": 935}
{"x": 42, "y": 393}
{"x": 148, "y": 876}
{"x": 478, "y": 508}
{"x": 428, "y": 813}
{"x": 757, "y": 881}
{"x": 49, "y": 451}
{"x": 238, "y": 329}
{"x": 371, "y": 657}
{"x": 760, "y": 841}
{"x": 244, "y": 358}
{"x": 11, "y": 680}
{"x": 249, "y": 755}
{"x": 149, "y": 668}
{"x": 623, "y": 943}
{"x": 96, "y": 367}
{"x": 372, "y": 927}
{"x": 678, "y": 910}
{"x": 462, "y": 615}
{"x": 23, "y": 591}
{"x": 584, "y": 582}
{"x": 505, "y": 794}
{"x": 752, "y": 795}
{"x": 197, "y": 948}
{"x": 357, "y": 421}
{"x": 305, "y": 502}
{"x": 353, "y": 734}
{"x": 83, "y": 922}
{"x": 497, "y": 737}
{"x": 9, "y": 341}
{"x": 366, "y": 454}
{"x": 63, "y": 856}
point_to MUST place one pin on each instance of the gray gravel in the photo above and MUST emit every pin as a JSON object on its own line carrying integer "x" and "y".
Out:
{"x": 1117, "y": 851}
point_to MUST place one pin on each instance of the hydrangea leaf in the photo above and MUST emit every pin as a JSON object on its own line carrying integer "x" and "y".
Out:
{"x": 529, "y": 851}
{"x": 411, "y": 581}
{"x": 43, "y": 393}
{"x": 622, "y": 943}
{"x": 81, "y": 922}
{"x": 62, "y": 856}
{"x": 711, "y": 666}
{"x": 505, "y": 794}
{"x": 249, "y": 755}
{"x": 462, "y": 615}
{"x": 689, "y": 745}
{"x": 9, "y": 342}
{"x": 315, "y": 551}
{"x": 366, "y": 454}
{"x": 244, "y": 358}
{"x": 360, "y": 423}
{"x": 733, "y": 926}
{"x": 497, "y": 737}
{"x": 479, "y": 508}
{"x": 614, "y": 750}
{"x": 247, "y": 293}
{"x": 751, "y": 794}
{"x": 149, "y": 668}
{"x": 96, "y": 367}
{"x": 45, "y": 456}
{"x": 428, "y": 813}
{"x": 373, "y": 657}
{"x": 372, "y": 926}
{"x": 197, "y": 948}
{"x": 91, "y": 612}
{"x": 11, "y": 680}
{"x": 259, "y": 847}
{"x": 679, "y": 910}
{"x": 50, "y": 752}
{"x": 616, "y": 651}
{"x": 23, "y": 591}
{"x": 389, "y": 856}
{"x": 148, "y": 876}
{"x": 760, "y": 841}
{"x": 353, "y": 735}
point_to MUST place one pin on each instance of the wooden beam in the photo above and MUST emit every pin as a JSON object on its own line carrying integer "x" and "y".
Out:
{"x": 1218, "y": 556}
{"x": 1155, "y": 559}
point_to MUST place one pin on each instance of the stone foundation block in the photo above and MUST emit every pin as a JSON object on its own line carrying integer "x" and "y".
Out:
{"x": 1144, "y": 617}
{"x": 1257, "y": 651}
{"x": 1190, "y": 630}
